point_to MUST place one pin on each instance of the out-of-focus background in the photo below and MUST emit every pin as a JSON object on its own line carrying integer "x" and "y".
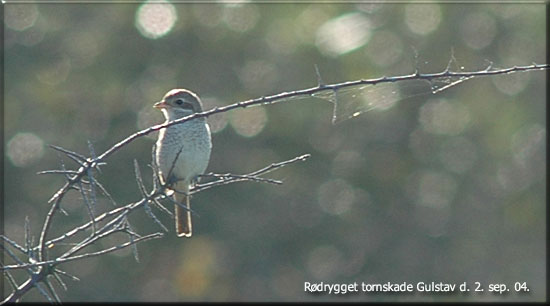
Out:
{"x": 445, "y": 188}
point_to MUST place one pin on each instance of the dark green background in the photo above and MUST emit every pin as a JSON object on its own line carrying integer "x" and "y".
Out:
{"x": 445, "y": 188}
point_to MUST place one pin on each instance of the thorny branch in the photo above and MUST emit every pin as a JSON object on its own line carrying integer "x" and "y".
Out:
{"x": 39, "y": 264}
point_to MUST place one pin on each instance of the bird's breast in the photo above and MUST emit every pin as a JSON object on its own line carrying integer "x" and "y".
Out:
{"x": 183, "y": 150}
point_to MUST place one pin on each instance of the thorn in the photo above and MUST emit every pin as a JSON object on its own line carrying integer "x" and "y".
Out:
{"x": 320, "y": 82}
{"x": 57, "y": 172}
{"x": 68, "y": 152}
{"x": 91, "y": 148}
{"x": 159, "y": 206}
{"x": 59, "y": 280}
{"x": 452, "y": 60}
{"x": 415, "y": 56}
{"x": 490, "y": 65}
{"x": 152, "y": 215}
{"x": 335, "y": 109}
{"x": 61, "y": 272}
{"x": 28, "y": 245}
{"x": 139, "y": 180}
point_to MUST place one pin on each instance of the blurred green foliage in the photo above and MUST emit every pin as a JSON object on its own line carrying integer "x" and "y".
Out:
{"x": 447, "y": 187}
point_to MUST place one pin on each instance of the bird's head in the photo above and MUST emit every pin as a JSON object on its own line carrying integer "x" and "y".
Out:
{"x": 178, "y": 103}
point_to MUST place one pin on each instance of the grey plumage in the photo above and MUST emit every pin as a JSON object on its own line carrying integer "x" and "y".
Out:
{"x": 183, "y": 150}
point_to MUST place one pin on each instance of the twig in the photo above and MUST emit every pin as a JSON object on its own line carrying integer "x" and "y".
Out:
{"x": 235, "y": 178}
{"x": 39, "y": 267}
{"x": 264, "y": 100}
{"x": 87, "y": 255}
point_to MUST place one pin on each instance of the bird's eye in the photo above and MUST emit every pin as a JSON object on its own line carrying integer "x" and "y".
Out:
{"x": 183, "y": 104}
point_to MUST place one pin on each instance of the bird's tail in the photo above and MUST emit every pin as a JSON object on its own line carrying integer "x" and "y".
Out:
{"x": 184, "y": 227}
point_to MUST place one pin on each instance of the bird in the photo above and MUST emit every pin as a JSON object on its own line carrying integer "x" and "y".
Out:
{"x": 182, "y": 151}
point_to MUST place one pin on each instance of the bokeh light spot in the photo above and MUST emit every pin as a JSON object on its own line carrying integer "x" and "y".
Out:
{"x": 443, "y": 117}
{"x": 25, "y": 149}
{"x": 336, "y": 197}
{"x": 209, "y": 15}
{"x": 83, "y": 47}
{"x": 249, "y": 122}
{"x": 56, "y": 72}
{"x": 280, "y": 37}
{"x": 258, "y": 76}
{"x": 194, "y": 275}
{"x": 511, "y": 84}
{"x": 422, "y": 19}
{"x": 384, "y": 49}
{"x": 343, "y": 34}
{"x": 527, "y": 143}
{"x": 478, "y": 30}
{"x": 432, "y": 189}
{"x": 147, "y": 117}
{"x": 458, "y": 154}
{"x": 20, "y": 17}
{"x": 32, "y": 36}
{"x": 240, "y": 18}
{"x": 155, "y": 19}
{"x": 325, "y": 262}
{"x": 217, "y": 122}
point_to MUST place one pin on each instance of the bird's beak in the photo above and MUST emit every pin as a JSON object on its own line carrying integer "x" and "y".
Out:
{"x": 160, "y": 104}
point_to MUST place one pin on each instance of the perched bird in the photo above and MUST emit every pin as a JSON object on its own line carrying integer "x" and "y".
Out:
{"x": 183, "y": 151}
